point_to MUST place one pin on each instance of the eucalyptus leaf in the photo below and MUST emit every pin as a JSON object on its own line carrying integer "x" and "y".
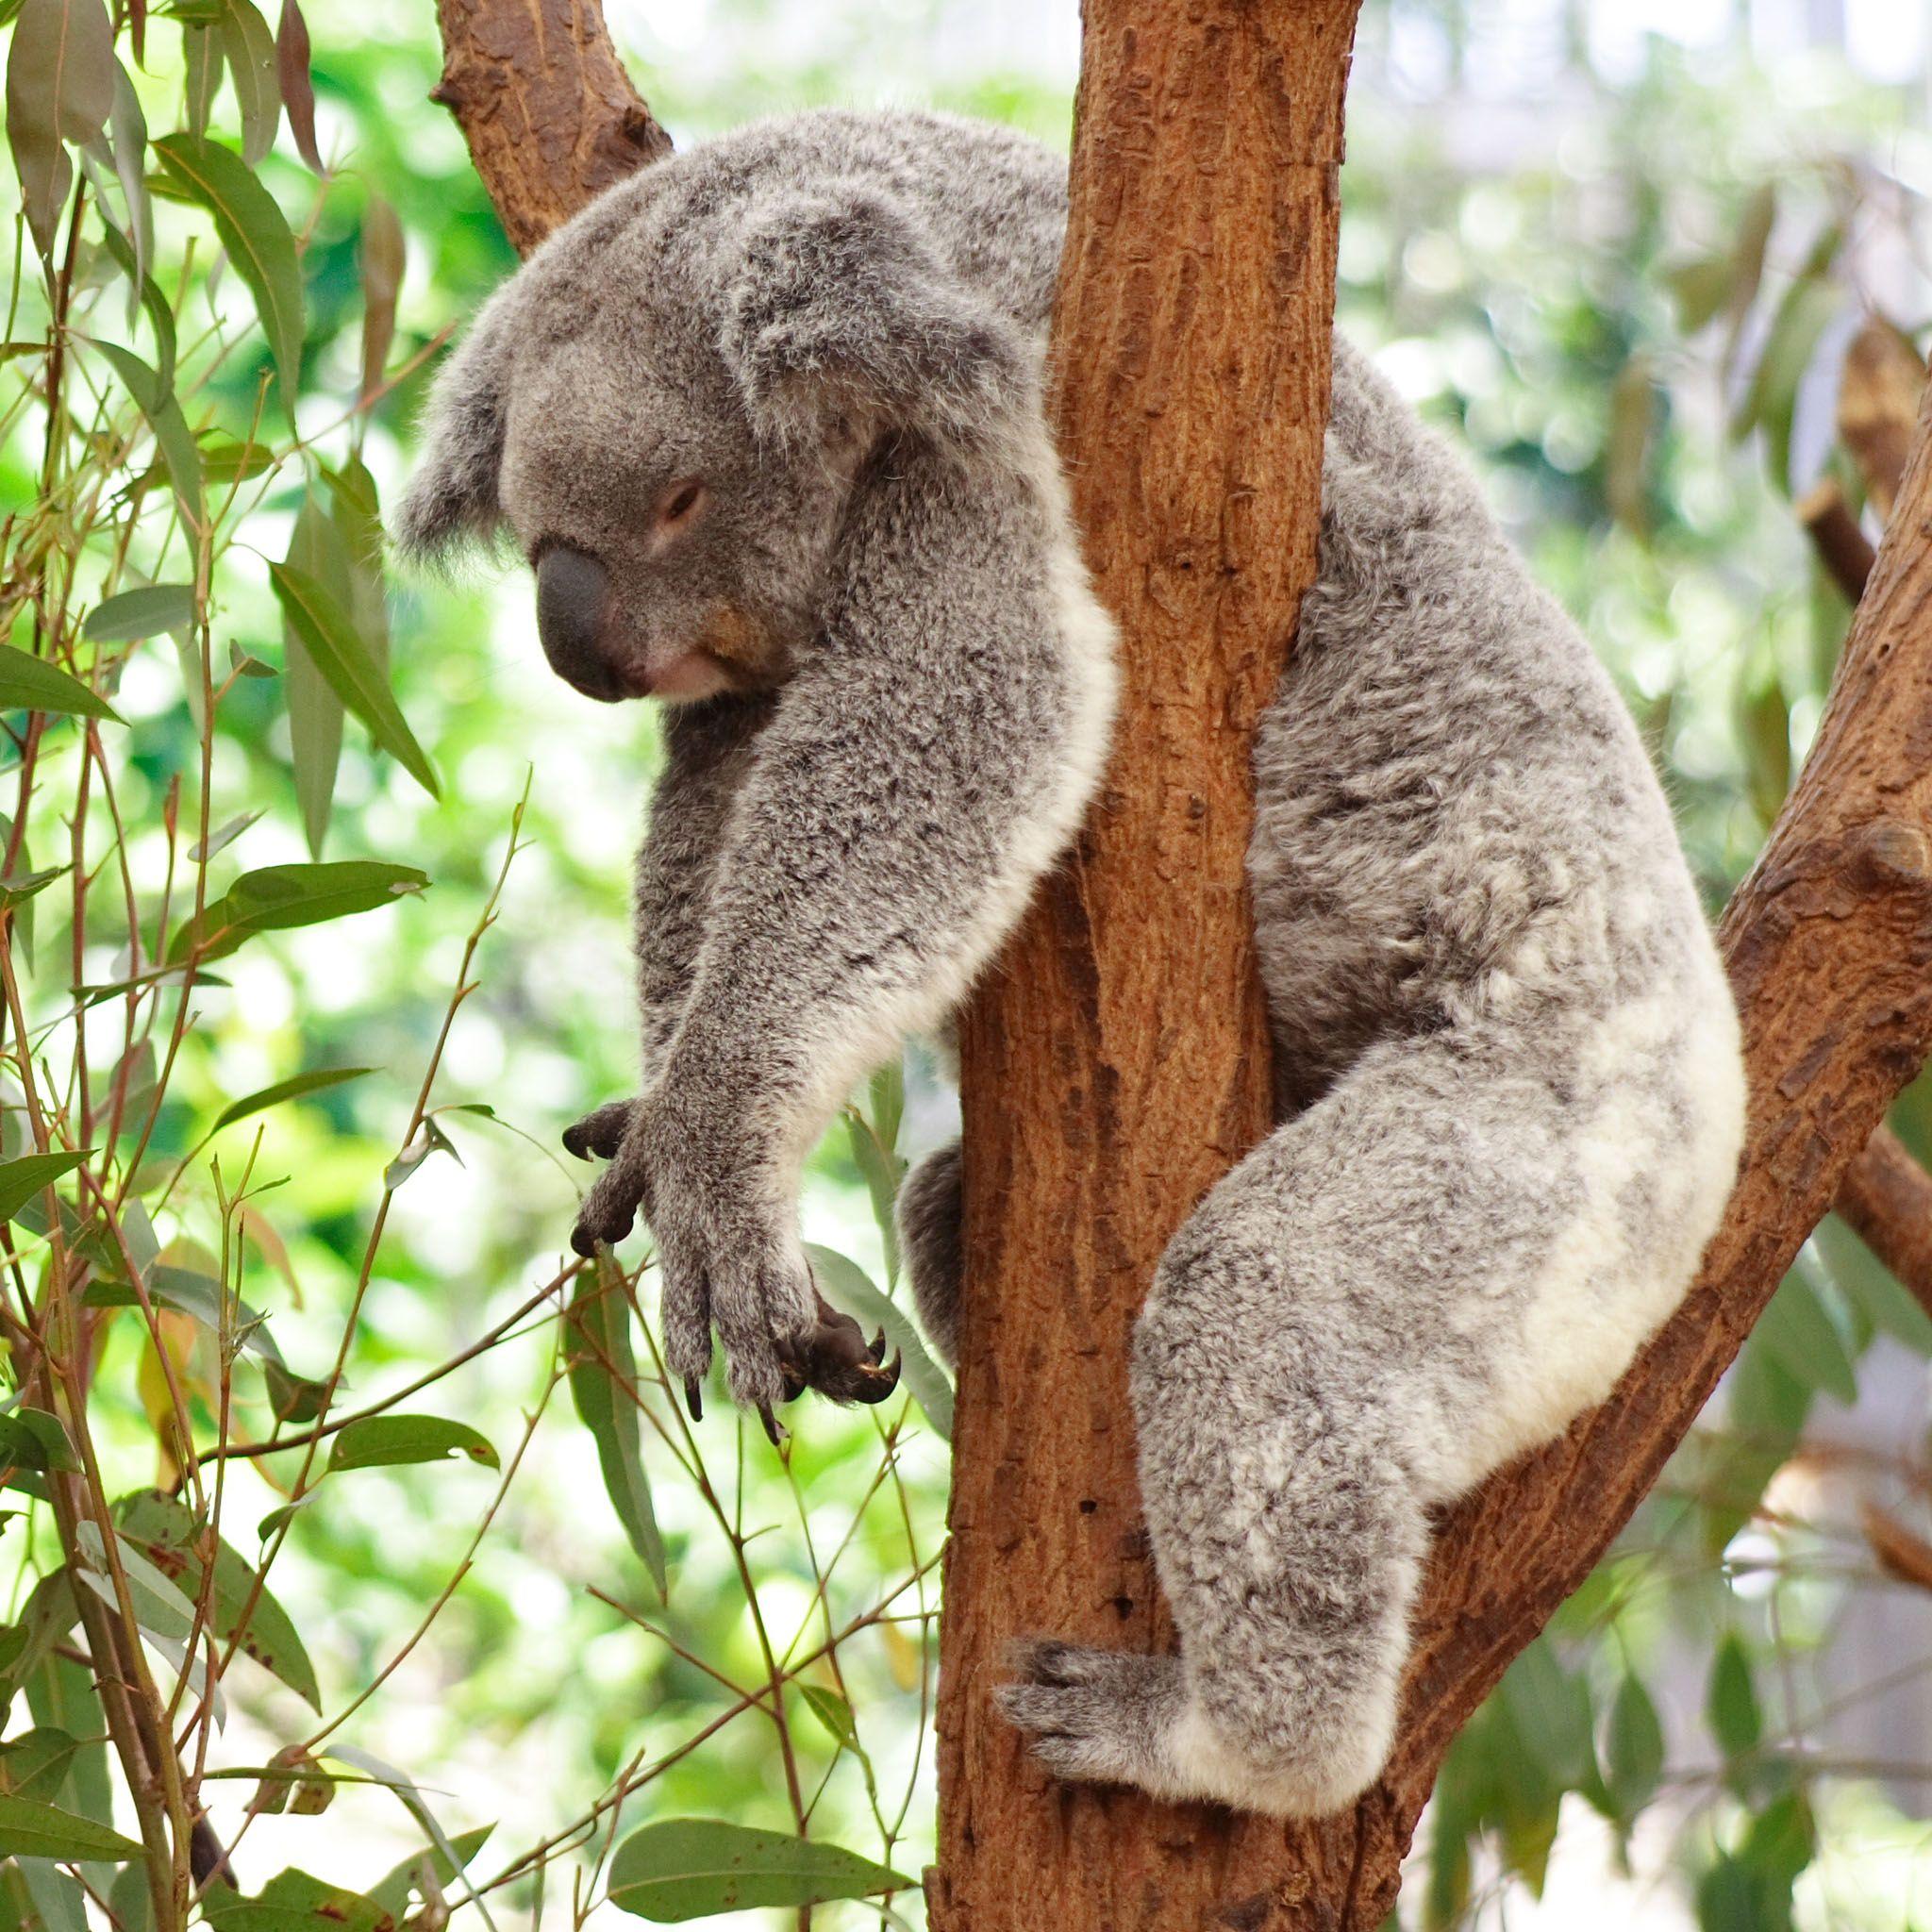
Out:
{"x": 379, "y": 1442}
{"x": 316, "y": 1081}
{"x": 26, "y": 1175}
{"x": 279, "y": 897}
{"x": 689, "y": 1868}
{"x": 256, "y": 235}
{"x": 31, "y": 684}
{"x": 352, "y": 672}
{"x": 30, "y": 1829}
{"x": 140, "y": 613}
{"x": 602, "y": 1385}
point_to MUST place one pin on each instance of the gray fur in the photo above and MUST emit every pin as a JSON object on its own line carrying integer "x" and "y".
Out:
{"x": 1510, "y": 1092}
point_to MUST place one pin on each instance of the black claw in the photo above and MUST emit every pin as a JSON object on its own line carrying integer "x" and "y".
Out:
{"x": 878, "y": 1350}
{"x": 574, "y": 1142}
{"x": 584, "y": 1241}
{"x": 693, "y": 1398}
{"x": 776, "y": 1434}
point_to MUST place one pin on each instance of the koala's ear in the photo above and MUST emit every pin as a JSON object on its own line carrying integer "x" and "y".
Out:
{"x": 452, "y": 497}
{"x": 838, "y": 306}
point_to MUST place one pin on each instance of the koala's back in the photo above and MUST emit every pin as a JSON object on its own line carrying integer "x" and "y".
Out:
{"x": 990, "y": 203}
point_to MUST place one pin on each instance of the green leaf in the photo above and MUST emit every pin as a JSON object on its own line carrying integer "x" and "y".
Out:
{"x": 378, "y": 1441}
{"x": 685, "y": 1868}
{"x": 847, "y": 1287}
{"x": 602, "y": 1385}
{"x": 31, "y": 684}
{"x": 147, "y": 293}
{"x": 1731, "y": 1700}
{"x": 1550, "y": 1709}
{"x": 382, "y": 279}
{"x": 393, "y": 1894}
{"x": 22, "y": 887}
{"x": 250, "y": 49}
{"x": 140, "y": 613}
{"x": 22, "y": 1178}
{"x": 1633, "y": 1748}
{"x": 1799, "y": 1331}
{"x": 35, "y": 1763}
{"x": 292, "y": 1901}
{"x": 330, "y": 640}
{"x": 126, "y": 137}
{"x": 882, "y": 1170}
{"x": 1870, "y": 1286}
{"x": 166, "y": 1532}
{"x": 156, "y": 402}
{"x": 1727, "y": 1900}
{"x": 160, "y": 1605}
{"x": 833, "y": 1712}
{"x": 279, "y": 897}
{"x": 316, "y": 1081}
{"x": 257, "y": 237}
{"x": 30, "y": 1829}
{"x": 34, "y": 1438}
{"x": 59, "y": 88}
{"x": 316, "y": 549}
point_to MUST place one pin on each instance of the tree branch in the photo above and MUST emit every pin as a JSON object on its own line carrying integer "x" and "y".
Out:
{"x": 1887, "y": 1199}
{"x": 549, "y": 113}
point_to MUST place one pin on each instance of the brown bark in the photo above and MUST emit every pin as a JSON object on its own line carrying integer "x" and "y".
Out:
{"x": 1117, "y": 1064}
{"x": 549, "y": 113}
{"x": 1842, "y": 547}
{"x": 1887, "y": 1197}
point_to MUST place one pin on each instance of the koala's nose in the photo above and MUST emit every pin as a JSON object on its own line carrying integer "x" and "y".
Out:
{"x": 573, "y": 604}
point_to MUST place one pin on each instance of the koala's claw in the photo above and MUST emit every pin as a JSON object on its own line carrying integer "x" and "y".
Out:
{"x": 1095, "y": 1715}
{"x": 836, "y": 1359}
{"x": 694, "y": 1398}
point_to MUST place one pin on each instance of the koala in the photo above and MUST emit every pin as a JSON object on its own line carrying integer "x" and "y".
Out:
{"x": 766, "y": 422}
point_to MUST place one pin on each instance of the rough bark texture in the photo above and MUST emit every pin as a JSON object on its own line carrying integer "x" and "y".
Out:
{"x": 1117, "y": 1063}
{"x": 548, "y": 111}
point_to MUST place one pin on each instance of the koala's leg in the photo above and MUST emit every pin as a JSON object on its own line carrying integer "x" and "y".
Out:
{"x": 928, "y": 1215}
{"x": 1437, "y": 1265}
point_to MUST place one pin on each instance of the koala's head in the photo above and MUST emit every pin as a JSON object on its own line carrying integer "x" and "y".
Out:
{"x": 671, "y": 404}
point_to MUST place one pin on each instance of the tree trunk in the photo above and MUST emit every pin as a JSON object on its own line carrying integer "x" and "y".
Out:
{"x": 1116, "y": 1064}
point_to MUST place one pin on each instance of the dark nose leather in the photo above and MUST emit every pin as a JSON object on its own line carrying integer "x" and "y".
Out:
{"x": 573, "y": 596}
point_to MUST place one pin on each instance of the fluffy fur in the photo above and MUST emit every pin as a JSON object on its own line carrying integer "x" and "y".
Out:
{"x": 1509, "y": 1083}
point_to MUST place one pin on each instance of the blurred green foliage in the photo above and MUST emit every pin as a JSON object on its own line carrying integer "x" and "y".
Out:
{"x": 1636, "y": 313}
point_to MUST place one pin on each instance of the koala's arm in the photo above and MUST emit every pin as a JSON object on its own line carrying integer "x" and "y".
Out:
{"x": 929, "y": 758}
{"x": 708, "y": 752}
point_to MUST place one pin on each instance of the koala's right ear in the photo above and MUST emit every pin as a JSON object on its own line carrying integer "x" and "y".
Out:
{"x": 838, "y": 306}
{"x": 452, "y": 494}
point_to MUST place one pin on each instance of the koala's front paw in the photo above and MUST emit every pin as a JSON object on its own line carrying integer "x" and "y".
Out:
{"x": 727, "y": 1260}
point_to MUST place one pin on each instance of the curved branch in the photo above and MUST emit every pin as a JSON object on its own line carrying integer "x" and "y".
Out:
{"x": 1887, "y": 1199}
{"x": 549, "y": 113}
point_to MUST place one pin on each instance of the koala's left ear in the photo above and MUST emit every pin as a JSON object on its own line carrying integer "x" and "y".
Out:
{"x": 838, "y": 306}
{"x": 452, "y": 494}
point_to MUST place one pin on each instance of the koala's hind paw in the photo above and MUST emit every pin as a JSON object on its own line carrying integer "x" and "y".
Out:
{"x": 600, "y": 1133}
{"x": 1097, "y": 1715}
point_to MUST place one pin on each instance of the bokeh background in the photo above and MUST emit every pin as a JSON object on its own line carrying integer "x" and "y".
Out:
{"x": 1619, "y": 252}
